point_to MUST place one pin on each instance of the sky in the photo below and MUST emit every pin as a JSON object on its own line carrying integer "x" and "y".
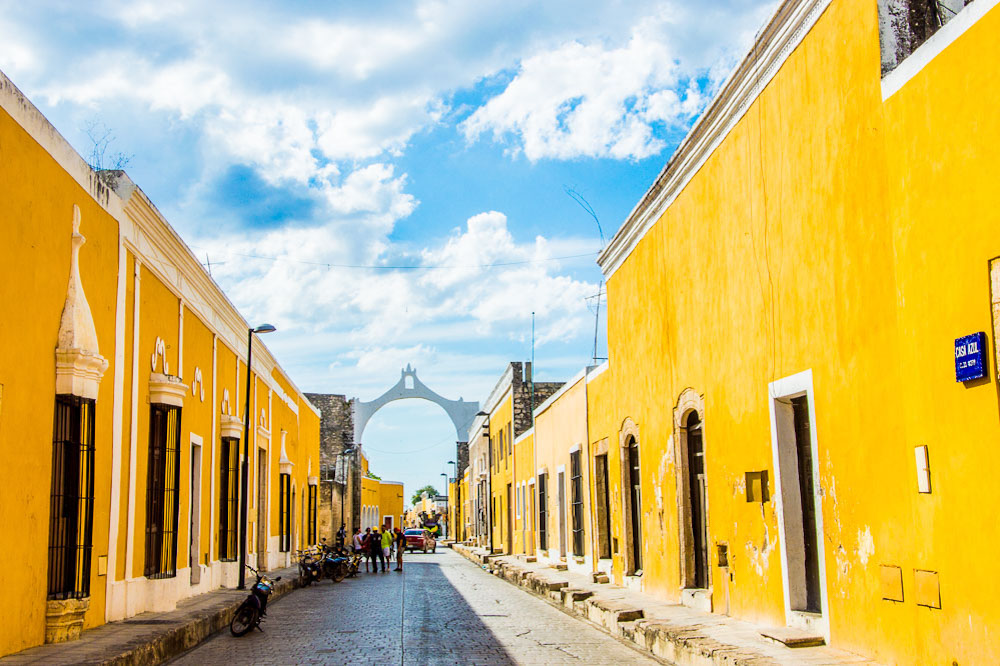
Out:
{"x": 389, "y": 183}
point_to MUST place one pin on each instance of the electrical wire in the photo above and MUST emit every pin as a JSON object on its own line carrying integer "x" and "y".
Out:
{"x": 405, "y": 268}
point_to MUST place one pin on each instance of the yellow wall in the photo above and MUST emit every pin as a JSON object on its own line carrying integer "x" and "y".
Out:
{"x": 391, "y": 502}
{"x": 35, "y": 229}
{"x": 36, "y": 216}
{"x": 524, "y": 454}
{"x": 560, "y": 427}
{"x": 835, "y": 233}
{"x": 500, "y": 475}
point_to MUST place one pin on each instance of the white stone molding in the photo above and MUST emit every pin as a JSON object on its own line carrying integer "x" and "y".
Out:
{"x": 198, "y": 385}
{"x": 285, "y": 465}
{"x": 231, "y": 427}
{"x": 313, "y": 480}
{"x": 166, "y": 390}
{"x": 160, "y": 351}
{"x": 79, "y": 364}
{"x": 227, "y": 408}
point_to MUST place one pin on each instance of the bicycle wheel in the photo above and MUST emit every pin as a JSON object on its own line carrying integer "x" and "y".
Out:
{"x": 339, "y": 573}
{"x": 244, "y": 619}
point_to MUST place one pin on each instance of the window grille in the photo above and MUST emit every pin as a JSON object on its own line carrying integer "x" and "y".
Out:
{"x": 228, "y": 498}
{"x": 312, "y": 514}
{"x": 163, "y": 478}
{"x": 576, "y": 496}
{"x": 285, "y": 512}
{"x": 71, "y": 503}
{"x": 543, "y": 514}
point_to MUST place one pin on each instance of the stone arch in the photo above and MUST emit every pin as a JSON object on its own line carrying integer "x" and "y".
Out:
{"x": 409, "y": 385}
{"x": 690, "y": 403}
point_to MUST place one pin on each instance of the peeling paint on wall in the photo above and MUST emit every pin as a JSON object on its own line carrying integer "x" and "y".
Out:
{"x": 866, "y": 545}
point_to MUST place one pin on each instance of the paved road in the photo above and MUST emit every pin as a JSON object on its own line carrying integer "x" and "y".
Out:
{"x": 442, "y": 610}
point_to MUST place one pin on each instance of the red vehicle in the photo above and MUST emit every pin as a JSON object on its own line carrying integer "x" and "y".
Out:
{"x": 419, "y": 539}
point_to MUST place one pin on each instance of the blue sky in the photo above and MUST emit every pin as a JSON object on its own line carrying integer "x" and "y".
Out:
{"x": 286, "y": 141}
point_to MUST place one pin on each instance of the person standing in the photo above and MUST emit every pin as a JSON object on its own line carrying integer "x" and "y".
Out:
{"x": 366, "y": 547}
{"x": 341, "y": 536}
{"x": 358, "y": 539}
{"x": 387, "y": 540}
{"x": 375, "y": 550}
{"x": 400, "y": 547}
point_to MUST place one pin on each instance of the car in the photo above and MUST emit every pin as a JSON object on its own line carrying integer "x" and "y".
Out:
{"x": 419, "y": 539}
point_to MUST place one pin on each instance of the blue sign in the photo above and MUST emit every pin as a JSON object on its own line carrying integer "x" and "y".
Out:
{"x": 970, "y": 357}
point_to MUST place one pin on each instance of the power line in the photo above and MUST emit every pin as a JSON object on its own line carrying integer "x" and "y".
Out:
{"x": 410, "y": 268}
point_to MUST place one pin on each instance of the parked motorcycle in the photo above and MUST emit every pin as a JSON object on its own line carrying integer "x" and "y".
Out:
{"x": 335, "y": 564}
{"x": 253, "y": 609}
{"x": 310, "y": 567}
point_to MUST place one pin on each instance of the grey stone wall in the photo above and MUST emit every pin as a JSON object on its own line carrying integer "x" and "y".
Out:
{"x": 524, "y": 401}
{"x": 336, "y": 434}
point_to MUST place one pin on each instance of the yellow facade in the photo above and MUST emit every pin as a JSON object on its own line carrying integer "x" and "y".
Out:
{"x": 501, "y": 474}
{"x": 381, "y": 501}
{"x": 829, "y": 249}
{"x": 523, "y": 476}
{"x": 146, "y": 327}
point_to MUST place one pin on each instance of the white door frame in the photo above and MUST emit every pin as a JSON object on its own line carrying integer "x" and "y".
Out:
{"x": 791, "y": 387}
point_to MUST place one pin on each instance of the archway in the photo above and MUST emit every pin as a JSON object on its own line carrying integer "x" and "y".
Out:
{"x": 409, "y": 385}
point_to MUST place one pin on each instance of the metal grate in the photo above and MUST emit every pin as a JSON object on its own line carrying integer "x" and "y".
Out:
{"x": 576, "y": 497}
{"x": 161, "y": 491}
{"x": 71, "y": 504}
{"x": 228, "y": 498}
{"x": 312, "y": 515}
{"x": 543, "y": 514}
{"x": 285, "y": 512}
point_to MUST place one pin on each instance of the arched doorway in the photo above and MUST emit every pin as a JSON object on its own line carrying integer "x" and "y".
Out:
{"x": 698, "y": 514}
{"x": 632, "y": 496}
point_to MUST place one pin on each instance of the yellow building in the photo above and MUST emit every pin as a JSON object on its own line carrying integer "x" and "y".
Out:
{"x": 123, "y": 381}
{"x": 381, "y": 501}
{"x": 786, "y": 439}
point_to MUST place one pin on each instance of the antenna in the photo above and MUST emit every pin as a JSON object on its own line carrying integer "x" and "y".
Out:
{"x": 532, "y": 369}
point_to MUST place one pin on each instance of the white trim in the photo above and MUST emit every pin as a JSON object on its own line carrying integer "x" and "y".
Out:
{"x": 789, "y": 387}
{"x": 573, "y": 449}
{"x": 595, "y": 371}
{"x": 789, "y": 24}
{"x": 560, "y": 469}
{"x": 551, "y": 400}
{"x": 938, "y": 42}
{"x": 114, "y": 516}
{"x": 542, "y": 471}
{"x": 524, "y": 435}
{"x": 133, "y": 426}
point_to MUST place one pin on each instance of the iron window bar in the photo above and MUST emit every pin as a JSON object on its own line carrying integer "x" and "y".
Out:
{"x": 71, "y": 515}
{"x": 163, "y": 479}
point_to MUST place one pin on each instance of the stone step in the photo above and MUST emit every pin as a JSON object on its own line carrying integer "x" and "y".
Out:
{"x": 793, "y": 638}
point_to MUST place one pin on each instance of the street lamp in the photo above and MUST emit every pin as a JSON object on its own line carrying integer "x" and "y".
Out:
{"x": 444, "y": 532}
{"x": 244, "y": 482}
{"x": 343, "y": 485}
{"x": 489, "y": 484}
{"x": 456, "y": 522}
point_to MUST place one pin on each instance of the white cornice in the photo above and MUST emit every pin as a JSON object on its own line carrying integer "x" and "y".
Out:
{"x": 783, "y": 32}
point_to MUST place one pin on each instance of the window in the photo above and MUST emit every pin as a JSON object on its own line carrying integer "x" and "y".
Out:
{"x": 71, "y": 517}
{"x": 228, "y": 497}
{"x": 312, "y": 515}
{"x": 603, "y": 506}
{"x": 163, "y": 477}
{"x": 576, "y": 496}
{"x": 906, "y": 24}
{"x": 285, "y": 512}
{"x": 543, "y": 514}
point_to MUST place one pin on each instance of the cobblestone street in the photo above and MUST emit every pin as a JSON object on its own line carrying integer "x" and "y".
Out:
{"x": 442, "y": 610}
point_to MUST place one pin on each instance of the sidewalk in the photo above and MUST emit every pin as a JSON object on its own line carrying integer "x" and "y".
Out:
{"x": 153, "y": 638}
{"x": 679, "y": 634}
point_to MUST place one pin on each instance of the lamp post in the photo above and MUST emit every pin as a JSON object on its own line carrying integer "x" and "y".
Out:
{"x": 343, "y": 484}
{"x": 245, "y": 480}
{"x": 458, "y": 502}
{"x": 489, "y": 483}
{"x": 444, "y": 532}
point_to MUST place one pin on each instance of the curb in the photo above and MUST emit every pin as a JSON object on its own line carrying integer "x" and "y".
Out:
{"x": 675, "y": 643}
{"x": 180, "y": 639}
